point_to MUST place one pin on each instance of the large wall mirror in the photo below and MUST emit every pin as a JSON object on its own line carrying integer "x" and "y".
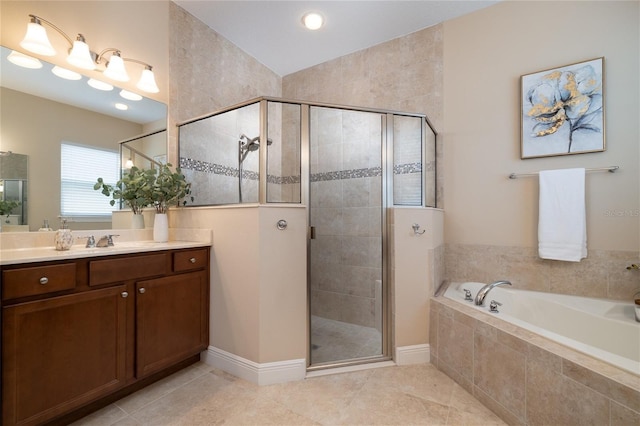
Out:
{"x": 41, "y": 111}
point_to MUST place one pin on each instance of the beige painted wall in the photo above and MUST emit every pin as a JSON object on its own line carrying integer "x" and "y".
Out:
{"x": 35, "y": 126}
{"x": 415, "y": 271}
{"x": 258, "y": 279}
{"x": 485, "y": 53}
{"x": 138, "y": 28}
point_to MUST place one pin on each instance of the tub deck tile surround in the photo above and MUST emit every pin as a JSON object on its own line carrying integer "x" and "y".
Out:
{"x": 553, "y": 383}
{"x": 602, "y": 274}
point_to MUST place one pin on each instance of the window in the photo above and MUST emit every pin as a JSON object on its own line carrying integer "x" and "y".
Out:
{"x": 80, "y": 168}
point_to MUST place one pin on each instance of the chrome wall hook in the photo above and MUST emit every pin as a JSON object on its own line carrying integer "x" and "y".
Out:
{"x": 416, "y": 229}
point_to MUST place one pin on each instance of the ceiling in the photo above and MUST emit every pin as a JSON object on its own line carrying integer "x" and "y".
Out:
{"x": 272, "y": 31}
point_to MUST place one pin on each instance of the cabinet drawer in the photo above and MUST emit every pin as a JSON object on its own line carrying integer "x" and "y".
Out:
{"x": 189, "y": 260}
{"x": 38, "y": 280}
{"x": 127, "y": 268}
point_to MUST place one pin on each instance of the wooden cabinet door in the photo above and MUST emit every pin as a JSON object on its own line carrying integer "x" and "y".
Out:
{"x": 172, "y": 320}
{"x": 61, "y": 353}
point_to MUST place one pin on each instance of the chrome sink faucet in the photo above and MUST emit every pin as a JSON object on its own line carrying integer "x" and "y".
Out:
{"x": 482, "y": 293}
{"x": 106, "y": 241}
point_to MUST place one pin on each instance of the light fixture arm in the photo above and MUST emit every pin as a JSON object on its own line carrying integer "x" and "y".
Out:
{"x": 146, "y": 65}
{"x": 38, "y": 20}
{"x": 100, "y": 56}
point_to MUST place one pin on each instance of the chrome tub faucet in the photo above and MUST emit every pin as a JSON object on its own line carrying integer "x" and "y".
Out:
{"x": 482, "y": 293}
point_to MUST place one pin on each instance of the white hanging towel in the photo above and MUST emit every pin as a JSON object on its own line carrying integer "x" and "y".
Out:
{"x": 562, "y": 222}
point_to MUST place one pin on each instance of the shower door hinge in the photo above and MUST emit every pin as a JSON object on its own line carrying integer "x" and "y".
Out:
{"x": 312, "y": 232}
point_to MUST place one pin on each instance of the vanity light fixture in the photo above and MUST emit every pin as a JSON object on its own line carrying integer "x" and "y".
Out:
{"x": 313, "y": 20}
{"x": 147, "y": 81}
{"x": 115, "y": 68}
{"x": 81, "y": 56}
{"x": 130, "y": 95}
{"x": 36, "y": 40}
{"x": 65, "y": 73}
{"x": 24, "y": 61}
{"x": 121, "y": 107}
{"x": 100, "y": 85}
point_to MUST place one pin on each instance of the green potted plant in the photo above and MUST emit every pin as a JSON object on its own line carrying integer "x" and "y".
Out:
{"x": 6, "y": 207}
{"x": 134, "y": 190}
{"x": 168, "y": 188}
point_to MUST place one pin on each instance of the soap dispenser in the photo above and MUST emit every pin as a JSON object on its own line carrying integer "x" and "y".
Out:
{"x": 45, "y": 226}
{"x": 63, "y": 238}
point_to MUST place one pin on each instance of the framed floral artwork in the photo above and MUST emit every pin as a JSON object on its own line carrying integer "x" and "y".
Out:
{"x": 563, "y": 110}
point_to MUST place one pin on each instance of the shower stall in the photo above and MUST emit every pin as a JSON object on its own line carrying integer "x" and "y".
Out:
{"x": 347, "y": 166}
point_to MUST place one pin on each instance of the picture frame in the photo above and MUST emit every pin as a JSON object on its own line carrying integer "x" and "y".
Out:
{"x": 562, "y": 110}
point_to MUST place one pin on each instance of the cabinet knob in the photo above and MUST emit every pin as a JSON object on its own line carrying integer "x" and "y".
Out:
{"x": 192, "y": 260}
{"x": 124, "y": 294}
{"x": 44, "y": 280}
{"x": 142, "y": 290}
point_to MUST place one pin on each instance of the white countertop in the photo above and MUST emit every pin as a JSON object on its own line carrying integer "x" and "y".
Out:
{"x": 17, "y": 252}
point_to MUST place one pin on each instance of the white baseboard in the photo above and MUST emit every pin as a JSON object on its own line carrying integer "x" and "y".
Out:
{"x": 415, "y": 354}
{"x": 262, "y": 374}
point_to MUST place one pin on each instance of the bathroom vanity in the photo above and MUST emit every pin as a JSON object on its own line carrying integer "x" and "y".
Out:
{"x": 80, "y": 332}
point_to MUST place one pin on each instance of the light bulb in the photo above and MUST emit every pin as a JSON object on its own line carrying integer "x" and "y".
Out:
{"x": 312, "y": 20}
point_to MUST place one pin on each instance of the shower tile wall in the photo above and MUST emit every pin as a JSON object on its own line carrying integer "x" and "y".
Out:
{"x": 284, "y": 157}
{"x": 209, "y": 156}
{"x": 345, "y": 208}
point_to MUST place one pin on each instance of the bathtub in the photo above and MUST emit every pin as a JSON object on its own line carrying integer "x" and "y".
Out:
{"x": 604, "y": 329}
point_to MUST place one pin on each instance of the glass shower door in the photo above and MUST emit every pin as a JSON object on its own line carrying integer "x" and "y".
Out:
{"x": 345, "y": 250}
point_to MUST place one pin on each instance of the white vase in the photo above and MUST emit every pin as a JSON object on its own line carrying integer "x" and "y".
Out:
{"x": 161, "y": 228}
{"x": 137, "y": 221}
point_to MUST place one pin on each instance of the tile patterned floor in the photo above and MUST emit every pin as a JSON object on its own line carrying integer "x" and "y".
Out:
{"x": 336, "y": 340}
{"x": 201, "y": 395}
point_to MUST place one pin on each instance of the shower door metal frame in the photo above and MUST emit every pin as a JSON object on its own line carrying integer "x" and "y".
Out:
{"x": 386, "y": 160}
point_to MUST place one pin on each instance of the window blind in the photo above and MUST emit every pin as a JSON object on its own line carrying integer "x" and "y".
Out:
{"x": 80, "y": 168}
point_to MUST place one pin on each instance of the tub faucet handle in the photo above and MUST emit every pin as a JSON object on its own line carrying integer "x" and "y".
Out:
{"x": 493, "y": 306}
{"x": 467, "y": 295}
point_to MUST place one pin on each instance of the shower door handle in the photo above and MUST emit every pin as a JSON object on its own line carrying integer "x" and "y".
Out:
{"x": 312, "y": 232}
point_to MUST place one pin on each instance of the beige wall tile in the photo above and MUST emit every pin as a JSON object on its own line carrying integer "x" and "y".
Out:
{"x": 555, "y": 399}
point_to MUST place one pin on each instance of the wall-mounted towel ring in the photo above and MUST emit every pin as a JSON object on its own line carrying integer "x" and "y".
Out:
{"x": 416, "y": 229}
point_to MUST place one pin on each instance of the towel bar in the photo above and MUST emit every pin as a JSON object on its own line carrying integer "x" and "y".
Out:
{"x": 611, "y": 169}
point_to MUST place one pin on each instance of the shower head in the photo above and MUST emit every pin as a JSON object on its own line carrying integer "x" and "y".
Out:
{"x": 253, "y": 145}
{"x": 247, "y": 144}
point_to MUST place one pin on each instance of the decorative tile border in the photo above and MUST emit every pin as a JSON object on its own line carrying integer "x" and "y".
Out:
{"x": 219, "y": 169}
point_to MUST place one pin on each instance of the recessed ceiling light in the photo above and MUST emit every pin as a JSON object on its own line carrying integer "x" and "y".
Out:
{"x": 121, "y": 107}
{"x": 312, "y": 20}
{"x": 100, "y": 85}
{"x": 65, "y": 73}
{"x": 130, "y": 95}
